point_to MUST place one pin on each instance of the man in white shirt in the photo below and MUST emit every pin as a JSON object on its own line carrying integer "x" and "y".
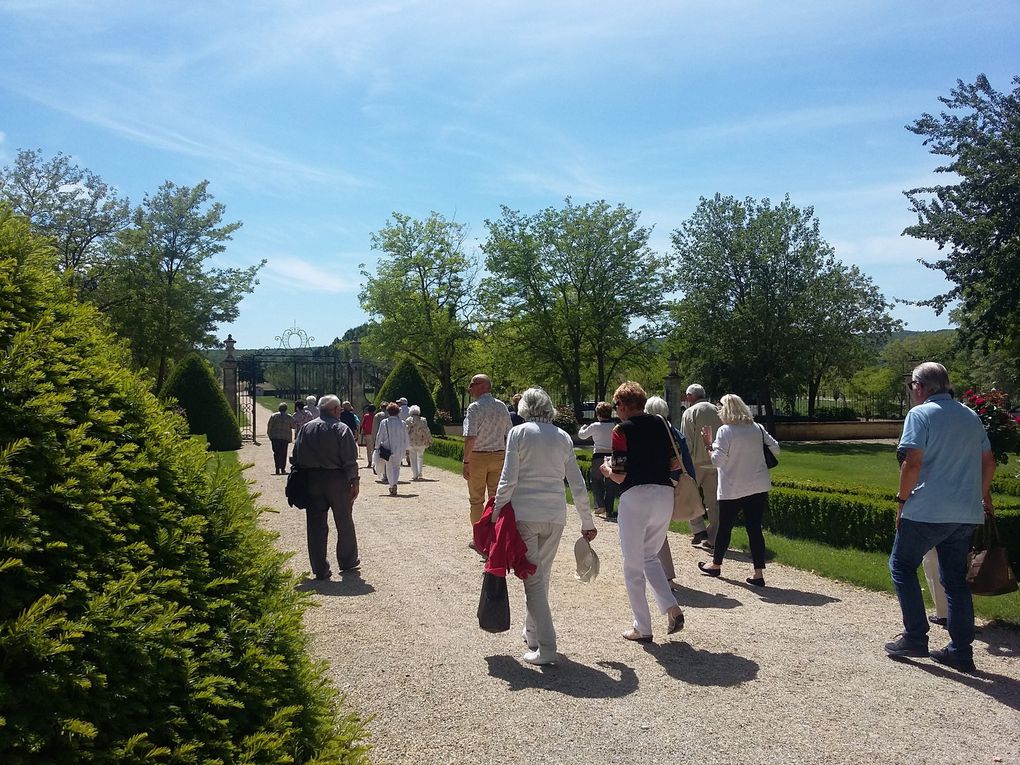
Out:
{"x": 486, "y": 425}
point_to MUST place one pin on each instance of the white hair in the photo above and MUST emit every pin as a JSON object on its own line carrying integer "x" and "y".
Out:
{"x": 696, "y": 390}
{"x": 657, "y": 405}
{"x": 733, "y": 410}
{"x": 415, "y": 411}
{"x": 536, "y": 405}
{"x": 327, "y": 402}
{"x": 310, "y": 400}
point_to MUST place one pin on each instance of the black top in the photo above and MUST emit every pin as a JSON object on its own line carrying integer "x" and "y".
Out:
{"x": 643, "y": 449}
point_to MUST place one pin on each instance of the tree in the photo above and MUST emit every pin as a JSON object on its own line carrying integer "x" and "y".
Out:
{"x": 764, "y": 298}
{"x": 977, "y": 219}
{"x": 578, "y": 288}
{"x": 70, "y": 205}
{"x": 193, "y": 385}
{"x": 422, "y": 293}
{"x": 405, "y": 380}
{"x": 159, "y": 293}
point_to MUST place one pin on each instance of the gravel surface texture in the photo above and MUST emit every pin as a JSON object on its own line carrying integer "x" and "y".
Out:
{"x": 792, "y": 673}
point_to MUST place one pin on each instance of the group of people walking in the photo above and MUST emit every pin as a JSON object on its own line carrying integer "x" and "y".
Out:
{"x": 636, "y": 463}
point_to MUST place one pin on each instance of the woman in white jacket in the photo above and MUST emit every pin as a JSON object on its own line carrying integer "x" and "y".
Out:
{"x": 392, "y": 435}
{"x": 538, "y": 457}
{"x": 744, "y": 482}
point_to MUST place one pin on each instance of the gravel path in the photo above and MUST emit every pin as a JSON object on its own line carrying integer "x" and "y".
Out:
{"x": 794, "y": 673}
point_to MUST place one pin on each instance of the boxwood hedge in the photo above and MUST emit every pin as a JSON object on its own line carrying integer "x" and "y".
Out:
{"x": 144, "y": 616}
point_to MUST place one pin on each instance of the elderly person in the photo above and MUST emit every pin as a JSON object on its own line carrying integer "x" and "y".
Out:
{"x": 391, "y": 434}
{"x": 311, "y": 408}
{"x": 701, "y": 413}
{"x": 744, "y": 482}
{"x": 539, "y": 456}
{"x": 657, "y": 406}
{"x": 325, "y": 447}
{"x": 280, "y": 428}
{"x": 601, "y": 434}
{"x": 485, "y": 427}
{"x": 419, "y": 438}
{"x": 642, "y": 460}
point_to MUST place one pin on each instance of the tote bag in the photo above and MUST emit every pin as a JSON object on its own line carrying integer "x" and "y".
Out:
{"x": 494, "y": 604}
{"x": 989, "y": 572}
{"x": 687, "y": 504}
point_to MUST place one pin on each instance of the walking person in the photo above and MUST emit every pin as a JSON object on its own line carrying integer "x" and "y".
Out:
{"x": 419, "y": 438}
{"x": 945, "y": 482}
{"x": 601, "y": 433}
{"x": 699, "y": 414}
{"x": 367, "y": 423}
{"x": 280, "y": 429}
{"x": 744, "y": 482}
{"x": 325, "y": 447}
{"x": 486, "y": 425}
{"x": 539, "y": 457}
{"x": 392, "y": 436}
{"x": 642, "y": 460}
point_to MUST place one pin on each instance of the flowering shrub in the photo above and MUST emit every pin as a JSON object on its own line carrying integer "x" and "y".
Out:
{"x": 1003, "y": 428}
{"x": 443, "y": 417}
{"x": 565, "y": 420}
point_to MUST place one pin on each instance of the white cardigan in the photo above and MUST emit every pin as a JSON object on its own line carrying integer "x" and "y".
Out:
{"x": 538, "y": 457}
{"x": 738, "y": 454}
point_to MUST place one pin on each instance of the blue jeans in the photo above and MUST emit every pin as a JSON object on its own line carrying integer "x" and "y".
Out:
{"x": 952, "y": 542}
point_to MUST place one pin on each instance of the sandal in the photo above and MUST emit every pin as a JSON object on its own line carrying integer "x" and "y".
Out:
{"x": 675, "y": 625}
{"x": 708, "y": 571}
{"x": 637, "y": 637}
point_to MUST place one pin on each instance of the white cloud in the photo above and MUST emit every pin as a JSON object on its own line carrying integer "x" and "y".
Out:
{"x": 304, "y": 276}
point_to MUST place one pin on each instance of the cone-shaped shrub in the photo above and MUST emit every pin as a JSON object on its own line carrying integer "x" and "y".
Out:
{"x": 405, "y": 380}
{"x": 192, "y": 385}
{"x": 144, "y": 616}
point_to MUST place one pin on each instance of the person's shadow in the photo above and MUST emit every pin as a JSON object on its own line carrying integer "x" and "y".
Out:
{"x": 688, "y": 597}
{"x": 566, "y": 677}
{"x": 348, "y": 585}
{"x": 787, "y": 596}
{"x": 690, "y": 665}
{"x": 1003, "y": 689}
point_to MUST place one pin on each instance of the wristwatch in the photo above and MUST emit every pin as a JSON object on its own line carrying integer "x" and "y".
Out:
{"x": 899, "y": 500}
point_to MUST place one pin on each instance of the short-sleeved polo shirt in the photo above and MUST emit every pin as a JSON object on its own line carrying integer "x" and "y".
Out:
{"x": 953, "y": 440}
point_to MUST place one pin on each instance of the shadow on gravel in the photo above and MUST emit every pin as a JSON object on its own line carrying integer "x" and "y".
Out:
{"x": 1001, "y": 640}
{"x": 788, "y": 597}
{"x": 566, "y": 677}
{"x": 350, "y": 585}
{"x": 1003, "y": 689}
{"x": 689, "y": 598}
{"x": 689, "y": 665}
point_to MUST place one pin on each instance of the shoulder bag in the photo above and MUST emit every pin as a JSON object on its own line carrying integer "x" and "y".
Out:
{"x": 687, "y": 504}
{"x": 384, "y": 451}
{"x": 771, "y": 460}
{"x": 989, "y": 572}
{"x": 296, "y": 490}
{"x": 494, "y": 604}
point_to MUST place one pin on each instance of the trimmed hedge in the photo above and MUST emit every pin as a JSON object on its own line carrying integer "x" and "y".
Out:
{"x": 144, "y": 615}
{"x": 405, "y": 380}
{"x": 192, "y": 385}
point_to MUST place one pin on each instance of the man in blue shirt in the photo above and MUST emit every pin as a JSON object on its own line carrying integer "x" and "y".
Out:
{"x": 945, "y": 480}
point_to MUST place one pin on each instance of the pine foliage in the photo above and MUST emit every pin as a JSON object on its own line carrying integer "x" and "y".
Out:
{"x": 144, "y": 615}
{"x": 192, "y": 385}
{"x": 405, "y": 380}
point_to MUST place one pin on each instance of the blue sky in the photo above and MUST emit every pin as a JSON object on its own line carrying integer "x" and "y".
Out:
{"x": 314, "y": 121}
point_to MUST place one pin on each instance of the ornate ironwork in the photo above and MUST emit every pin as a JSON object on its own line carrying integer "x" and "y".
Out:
{"x": 286, "y": 340}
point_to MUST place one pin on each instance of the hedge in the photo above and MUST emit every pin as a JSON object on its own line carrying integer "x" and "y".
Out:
{"x": 144, "y": 615}
{"x": 192, "y": 386}
{"x": 405, "y": 380}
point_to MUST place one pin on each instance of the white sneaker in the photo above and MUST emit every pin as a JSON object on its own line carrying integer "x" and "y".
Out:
{"x": 536, "y": 657}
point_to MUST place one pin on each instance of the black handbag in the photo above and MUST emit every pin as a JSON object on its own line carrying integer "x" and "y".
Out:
{"x": 385, "y": 453}
{"x": 989, "y": 572}
{"x": 297, "y": 488}
{"x": 494, "y": 604}
{"x": 771, "y": 460}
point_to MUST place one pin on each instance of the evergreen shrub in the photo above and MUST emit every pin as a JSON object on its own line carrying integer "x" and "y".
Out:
{"x": 144, "y": 615}
{"x": 405, "y": 380}
{"x": 194, "y": 388}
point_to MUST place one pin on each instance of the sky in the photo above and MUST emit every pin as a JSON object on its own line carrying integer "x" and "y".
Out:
{"x": 314, "y": 121}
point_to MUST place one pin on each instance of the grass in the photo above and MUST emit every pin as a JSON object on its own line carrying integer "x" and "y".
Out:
{"x": 842, "y": 464}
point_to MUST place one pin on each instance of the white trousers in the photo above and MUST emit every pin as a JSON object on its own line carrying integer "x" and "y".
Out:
{"x": 543, "y": 540}
{"x": 391, "y": 469}
{"x": 644, "y": 516}
{"x": 417, "y": 460}
{"x": 930, "y": 564}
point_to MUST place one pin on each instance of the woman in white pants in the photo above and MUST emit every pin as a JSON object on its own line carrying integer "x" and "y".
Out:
{"x": 392, "y": 435}
{"x": 419, "y": 437}
{"x": 538, "y": 457}
{"x": 643, "y": 457}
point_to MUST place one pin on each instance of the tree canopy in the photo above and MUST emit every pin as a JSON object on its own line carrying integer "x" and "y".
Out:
{"x": 975, "y": 220}
{"x": 574, "y": 288}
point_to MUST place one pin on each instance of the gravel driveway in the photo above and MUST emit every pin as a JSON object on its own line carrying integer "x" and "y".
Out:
{"x": 794, "y": 673}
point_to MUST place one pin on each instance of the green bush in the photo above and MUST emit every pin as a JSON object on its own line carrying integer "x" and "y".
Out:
{"x": 443, "y": 446}
{"x": 195, "y": 390}
{"x": 144, "y": 616}
{"x": 1006, "y": 485}
{"x": 565, "y": 420}
{"x": 405, "y": 380}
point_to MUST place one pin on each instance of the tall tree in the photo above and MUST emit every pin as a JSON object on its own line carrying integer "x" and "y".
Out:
{"x": 70, "y": 205}
{"x": 976, "y": 220}
{"x": 762, "y": 291}
{"x": 422, "y": 294}
{"x": 578, "y": 287}
{"x": 160, "y": 292}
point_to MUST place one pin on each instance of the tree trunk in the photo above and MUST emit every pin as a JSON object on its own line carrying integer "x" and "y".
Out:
{"x": 814, "y": 383}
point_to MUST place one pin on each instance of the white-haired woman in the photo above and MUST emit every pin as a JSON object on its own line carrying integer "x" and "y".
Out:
{"x": 539, "y": 456}
{"x": 744, "y": 482}
{"x": 419, "y": 438}
{"x": 392, "y": 435}
{"x": 656, "y": 405}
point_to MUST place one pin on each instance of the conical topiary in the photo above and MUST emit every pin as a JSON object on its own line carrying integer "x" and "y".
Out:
{"x": 405, "y": 380}
{"x": 196, "y": 391}
{"x": 144, "y": 615}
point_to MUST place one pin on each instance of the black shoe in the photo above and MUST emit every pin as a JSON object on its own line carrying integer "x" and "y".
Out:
{"x": 708, "y": 571}
{"x": 902, "y": 647}
{"x": 946, "y": 657}
{"x": 757, "y": 581}
{"x": 939, "y": 621}
{"x": 698, "y": 538}
{"x": 675, "y": 625}
{"x": 353, "y": 567}
{"x": 323, "y": 577}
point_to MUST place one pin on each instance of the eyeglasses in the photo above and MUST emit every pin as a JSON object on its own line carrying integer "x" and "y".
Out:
{"x": 913, "y": 383}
